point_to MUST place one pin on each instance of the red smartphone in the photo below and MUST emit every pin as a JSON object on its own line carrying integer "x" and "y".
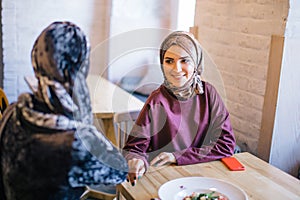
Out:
{"x": 233, "y": 164}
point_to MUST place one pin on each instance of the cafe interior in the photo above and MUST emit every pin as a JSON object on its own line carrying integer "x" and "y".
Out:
{"x": 249, "y": 56}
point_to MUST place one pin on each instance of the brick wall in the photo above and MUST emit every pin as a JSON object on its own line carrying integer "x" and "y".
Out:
{"x": 237, "y": 36}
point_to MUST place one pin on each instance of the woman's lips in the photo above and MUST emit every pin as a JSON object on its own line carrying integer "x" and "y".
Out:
{"x": 178, "y": 76}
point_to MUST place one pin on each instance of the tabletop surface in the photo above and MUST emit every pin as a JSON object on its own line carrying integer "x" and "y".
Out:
{"x": 107, "y": 97}
{"x": 260, "y": 180}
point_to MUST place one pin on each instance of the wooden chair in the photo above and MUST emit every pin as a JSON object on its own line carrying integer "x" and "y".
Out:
{"x": 123, "y": 124}
{"x": 3, "y": 102}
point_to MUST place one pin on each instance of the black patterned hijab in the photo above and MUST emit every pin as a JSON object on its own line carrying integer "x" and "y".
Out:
{"x": 60, "y": 58}
{"x": 186, "y": 41}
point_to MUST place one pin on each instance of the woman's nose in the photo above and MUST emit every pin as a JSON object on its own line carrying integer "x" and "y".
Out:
{"x": 178, "y": 66}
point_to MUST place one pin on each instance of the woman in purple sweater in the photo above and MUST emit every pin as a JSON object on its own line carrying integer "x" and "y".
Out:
{"x": 184, "y": 121}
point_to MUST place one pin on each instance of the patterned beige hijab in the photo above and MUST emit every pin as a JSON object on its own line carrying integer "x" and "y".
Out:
{"x": 186, "y": 41}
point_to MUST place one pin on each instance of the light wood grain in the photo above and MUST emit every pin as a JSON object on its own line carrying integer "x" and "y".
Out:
{"x": 260, "y": 180}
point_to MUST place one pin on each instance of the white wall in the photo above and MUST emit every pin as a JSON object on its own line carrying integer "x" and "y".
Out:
{"x": 23, "y": 21}
{"x": 285, "y": 151}
{"x": 136, "y": 31}
{"x": 186, "y": 14}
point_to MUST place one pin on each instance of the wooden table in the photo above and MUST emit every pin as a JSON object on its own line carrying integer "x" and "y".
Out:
{"x": 260, "y": 180}
{"x": 107, "y": 98}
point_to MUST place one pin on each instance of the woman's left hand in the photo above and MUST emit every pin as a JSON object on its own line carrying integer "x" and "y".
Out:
{"x": 162, "y": 159}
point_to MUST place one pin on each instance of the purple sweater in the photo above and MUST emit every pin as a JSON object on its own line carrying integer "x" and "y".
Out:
{"x": 196, "y": 130}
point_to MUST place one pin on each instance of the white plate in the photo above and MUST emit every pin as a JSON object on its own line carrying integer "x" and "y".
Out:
{"x": 177, "y": 189}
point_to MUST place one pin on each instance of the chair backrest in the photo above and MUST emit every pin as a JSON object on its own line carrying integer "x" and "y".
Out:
{"x": 3, "y": 102}
{"x": 123, "y": 124}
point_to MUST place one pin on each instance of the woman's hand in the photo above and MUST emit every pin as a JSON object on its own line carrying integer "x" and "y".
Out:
{"x": 162, "y": 159}
{"x": 136, "y": 170}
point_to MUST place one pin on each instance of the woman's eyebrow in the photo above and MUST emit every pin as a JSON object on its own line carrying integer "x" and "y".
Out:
{"x": 168, "y": 58}
{"x": 184, "y": 57}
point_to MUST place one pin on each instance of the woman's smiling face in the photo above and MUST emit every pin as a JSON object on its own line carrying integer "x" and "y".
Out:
{"x": 178, "y": 66}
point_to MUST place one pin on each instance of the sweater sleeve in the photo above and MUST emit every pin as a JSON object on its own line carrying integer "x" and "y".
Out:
{"x": 219, "y": 139}
{"x": 138, "y": 141}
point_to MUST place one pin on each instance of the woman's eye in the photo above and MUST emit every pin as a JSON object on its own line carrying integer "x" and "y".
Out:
{"x": 185, "y": 60}
{"x": 169, "y": 61}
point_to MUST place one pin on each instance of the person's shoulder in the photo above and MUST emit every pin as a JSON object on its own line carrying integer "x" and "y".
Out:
{"x": 208, "y": 86}
{"x": 210, "y": 91}
{"x": 8, "y": 112}
{"x": 159, "y": 96}
{"x": 157, "y": 93}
